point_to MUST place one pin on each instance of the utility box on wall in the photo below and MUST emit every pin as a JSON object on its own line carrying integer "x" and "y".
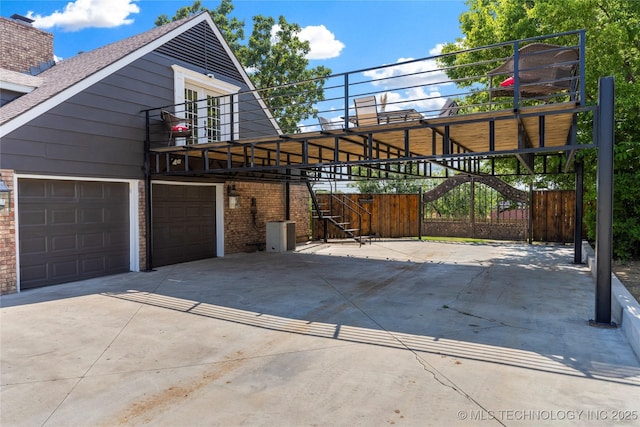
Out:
{"x": 281, "y": 236}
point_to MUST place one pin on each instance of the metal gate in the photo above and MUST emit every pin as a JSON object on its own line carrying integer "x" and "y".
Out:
{"x": 476, "y": 207}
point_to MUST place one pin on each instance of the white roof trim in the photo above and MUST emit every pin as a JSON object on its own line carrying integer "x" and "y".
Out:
{"x": 59, "y": 98}
{"x": 206, "y": 81}
{"x": 14, "y": 87}
{"x": 18, "y": 82}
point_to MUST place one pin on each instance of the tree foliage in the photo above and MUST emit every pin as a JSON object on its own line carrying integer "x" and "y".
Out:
{"x": 277, "y": 64}
{"x": 612, "y": 49}
{"x": 394, "y": 179}
{"x": 275, "y": 61}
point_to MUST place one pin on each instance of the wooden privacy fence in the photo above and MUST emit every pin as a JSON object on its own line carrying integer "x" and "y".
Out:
{"x": 553, "y": 215}
{"x": 398, "y": 215}
{"x": 392, "y": 215}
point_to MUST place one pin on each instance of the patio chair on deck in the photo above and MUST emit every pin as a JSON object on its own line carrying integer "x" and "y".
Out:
{"x": 326, "y": 124}
{"x": 543, "y": 69}
{"x": 366, "y": 111}
{"x": 178, "y": 127}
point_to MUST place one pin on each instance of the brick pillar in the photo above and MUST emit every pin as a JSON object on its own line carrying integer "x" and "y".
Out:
{"x": 142, "y": 227}
{"x": 301, "y": 211}
{"x": 8, "y": 271}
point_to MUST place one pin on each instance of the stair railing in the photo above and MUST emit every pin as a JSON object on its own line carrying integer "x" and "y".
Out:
{"x": 316, "y": 207}
{"x": 345, "y": 204}
{"x": 352, "y": 206}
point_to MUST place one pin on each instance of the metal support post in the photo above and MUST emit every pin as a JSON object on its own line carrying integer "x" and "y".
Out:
{"x": 604, "y": 213}
{"x": 577, "y": 231}
{"x": 516, "y": 73}
{"x": 287, "y": 196}
{"x": 420, "y": 213}
{"x": 346, "y": 101}
{"x": 530, "y": 219}
{"x": 147, "y": 196}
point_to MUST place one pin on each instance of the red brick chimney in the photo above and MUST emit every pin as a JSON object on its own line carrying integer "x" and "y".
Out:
{"x": 22, "y": 45}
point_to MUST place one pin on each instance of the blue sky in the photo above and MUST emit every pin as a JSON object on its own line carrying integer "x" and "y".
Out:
{"x": 345, "y": 35}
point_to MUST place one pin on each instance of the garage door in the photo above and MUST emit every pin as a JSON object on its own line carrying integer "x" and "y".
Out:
{"x": 71, "y": 230}
{"x": 184, "y": 223}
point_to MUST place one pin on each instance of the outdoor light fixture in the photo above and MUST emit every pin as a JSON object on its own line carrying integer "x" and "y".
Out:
{"x": 234, "y": 196}
{"x": 5, "y": 196}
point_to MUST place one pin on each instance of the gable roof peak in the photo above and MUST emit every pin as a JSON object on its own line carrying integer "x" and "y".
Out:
{"x": 71, "y": 75}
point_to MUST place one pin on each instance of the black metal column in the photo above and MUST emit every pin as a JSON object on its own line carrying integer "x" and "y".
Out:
{"x": 604, "y": 213}
{"x": 530, "y": 219}
{"x": 420, "y": 213}
{"x": 147, "y": 196}
{"x": 287, "y": 197}
{"x": 577, "y": 231}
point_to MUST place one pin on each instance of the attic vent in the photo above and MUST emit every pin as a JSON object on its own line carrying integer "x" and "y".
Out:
{"x": 22, "y": 19}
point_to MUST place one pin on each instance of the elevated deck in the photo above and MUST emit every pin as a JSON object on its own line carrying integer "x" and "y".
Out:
{"x": 539, "y": 129}
{"x": 526, "y": 119}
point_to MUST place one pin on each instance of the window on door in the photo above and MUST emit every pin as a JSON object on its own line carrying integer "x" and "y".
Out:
{"x": 207, "y": 106}
{"x": 202, "y": 110}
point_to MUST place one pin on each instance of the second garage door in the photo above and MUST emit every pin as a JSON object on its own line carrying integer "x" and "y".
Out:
{"x": 184, "y": 223}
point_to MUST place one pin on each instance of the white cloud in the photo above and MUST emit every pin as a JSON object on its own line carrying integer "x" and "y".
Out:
{"x": 88, "y": 14}
{"x": 437, "y": 50}
{"x": 322, "y": 42}
{"x": 405, "y": 74}
{"x": 411, "y": 84}
{"x": 428, "y": 103}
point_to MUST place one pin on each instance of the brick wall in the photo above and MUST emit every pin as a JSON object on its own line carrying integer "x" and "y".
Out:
{"x": 270, "y": 200}
{"x": 23, "y": 46}
{"x": 478, "y": 230}
{"x": 8, "y": 274}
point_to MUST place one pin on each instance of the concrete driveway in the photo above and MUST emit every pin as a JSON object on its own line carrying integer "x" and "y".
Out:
{"x": 394, "y": 333}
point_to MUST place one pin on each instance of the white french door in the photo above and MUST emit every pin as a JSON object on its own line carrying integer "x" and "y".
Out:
{"x": 204, "y": 110}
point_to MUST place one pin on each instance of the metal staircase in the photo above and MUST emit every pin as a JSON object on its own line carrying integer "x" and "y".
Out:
{"x": 334, "y": 214}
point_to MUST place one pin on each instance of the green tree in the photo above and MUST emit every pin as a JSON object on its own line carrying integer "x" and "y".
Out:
{"x": 276, "y": 63}
{"x": 395, "y": 179}
{"x": 612, "y": 49}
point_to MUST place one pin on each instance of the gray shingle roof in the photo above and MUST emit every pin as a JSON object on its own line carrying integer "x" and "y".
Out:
{"x": 72, "y": 71}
